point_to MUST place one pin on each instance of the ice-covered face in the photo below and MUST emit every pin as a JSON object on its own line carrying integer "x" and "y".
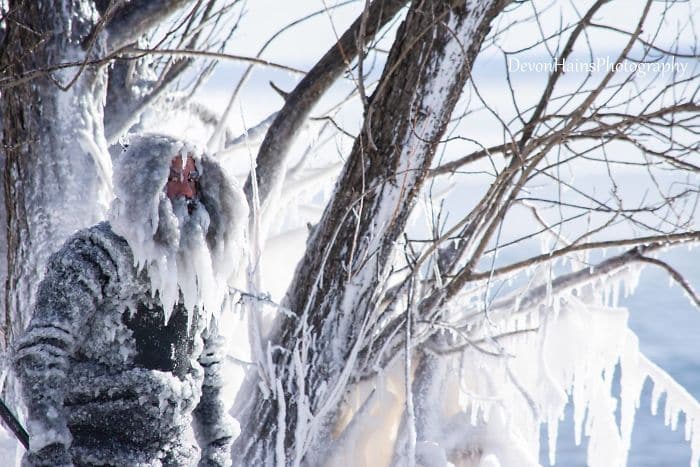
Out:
{"x": 182, "y": 181}
{"x": 186, "y": 230}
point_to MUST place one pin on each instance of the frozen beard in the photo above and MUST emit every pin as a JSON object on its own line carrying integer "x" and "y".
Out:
{"x": 189, "y": 253}
{"x": 185, "y": 263}
{"x": 177, "y": 258}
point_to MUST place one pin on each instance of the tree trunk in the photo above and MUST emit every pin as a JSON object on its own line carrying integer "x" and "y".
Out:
{"x": 50, "y": 135}
{"x": 339, "y": 282}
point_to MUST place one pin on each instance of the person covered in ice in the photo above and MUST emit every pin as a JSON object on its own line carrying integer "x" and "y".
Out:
{"x": 121, "y": 363}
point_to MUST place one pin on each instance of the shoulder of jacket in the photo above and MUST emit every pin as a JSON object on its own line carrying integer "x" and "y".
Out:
{"x": 100, "y": 245}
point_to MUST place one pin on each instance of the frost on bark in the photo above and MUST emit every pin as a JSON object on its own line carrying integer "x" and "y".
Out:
{"x": 52, "y": 129}
{"x": 338, "y": 285}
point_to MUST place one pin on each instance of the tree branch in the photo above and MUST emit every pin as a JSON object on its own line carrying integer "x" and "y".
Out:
{"x": 660, "y": 240}
{"x": 340, "y": 281}
{"x": 676, "y": 276}
{"x": 386, "y": 345}
{"x": 272, "y": 157}
{"x": 137, "y": 17}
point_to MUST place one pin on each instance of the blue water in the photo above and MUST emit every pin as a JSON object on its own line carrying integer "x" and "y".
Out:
{"x": 668, "y": 327}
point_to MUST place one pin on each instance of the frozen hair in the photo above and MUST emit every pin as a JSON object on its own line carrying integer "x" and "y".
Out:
{"x": 144, "y": 216}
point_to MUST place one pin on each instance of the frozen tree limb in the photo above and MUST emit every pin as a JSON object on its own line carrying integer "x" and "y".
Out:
{"x": 135, "y": 18}
{"x": 334, "y": 294}
{"x": 133, "y": 83}
{"x": 676, "y": 276}
{"x": 530, "y": 298}
{"x": 272, "y": 157}
{"x": 390, "y": 341}
{"x": 216, "y": 135}
{"x": 650, "y": 242}
{"x": 252, "y": 134}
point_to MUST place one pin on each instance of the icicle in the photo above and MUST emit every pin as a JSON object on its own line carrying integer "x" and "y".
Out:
{"x": 579, "y": 409}
{"x": 630, "y": 279}
{"x": 576, "y": 349}
{"x": 615, "y": 286}
{"x": 655, "y": 396}
{"x": 631, "y": 384}
{"x": 486, "y": 412}
{"x": 694, "y": 441}
{"x": 552, "y": 434}
{"x": 556, "y": 306}
{"x": 473, "y": 419}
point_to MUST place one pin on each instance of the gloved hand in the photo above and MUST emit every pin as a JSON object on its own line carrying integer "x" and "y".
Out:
{"x": 217, "y": 454}
{"x": 52, "y": 455}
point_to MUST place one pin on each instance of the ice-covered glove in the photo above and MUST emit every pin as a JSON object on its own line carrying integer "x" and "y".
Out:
{"x": 217, "y": 454}
{"x": 52, "y": 455}
{"x": 214, "y": 427}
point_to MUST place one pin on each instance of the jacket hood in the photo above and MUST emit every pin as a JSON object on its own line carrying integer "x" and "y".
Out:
{"x": 144, "y": 216}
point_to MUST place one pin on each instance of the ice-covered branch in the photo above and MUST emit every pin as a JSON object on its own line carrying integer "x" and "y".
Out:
{"x": 272, "y": 157}
{"x": 137, "y": 17}
{"x": 253, "y": 134}
{"x": 530, "y": 298}
{"x": 676, "y": 276}
{"x": 652, "y": 242}
{"x": 389, "y": 341}
{"x": 608, "y": 126}
{"x": 339, "y": 282}
{"x": 216, "y": 55}
{"x": 678, "y": 400}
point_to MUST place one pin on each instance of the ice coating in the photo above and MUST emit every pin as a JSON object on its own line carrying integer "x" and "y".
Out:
{"x": 194, "y": 254}
{"x": 109, "y": 375}
{"x": 487, "y": 403}
{"x": 574, "y": 352}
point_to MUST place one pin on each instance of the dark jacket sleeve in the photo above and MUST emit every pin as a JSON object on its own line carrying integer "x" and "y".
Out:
{"x": 213, "y": 425}
{"x": 68, "y": 296}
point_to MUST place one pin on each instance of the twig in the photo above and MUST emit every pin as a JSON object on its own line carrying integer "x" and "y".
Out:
{"x": 676, "y": 276}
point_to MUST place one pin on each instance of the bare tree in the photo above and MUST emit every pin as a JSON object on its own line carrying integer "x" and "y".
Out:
{"x": 349, "y": 320}
{"x": 370, "y": 292}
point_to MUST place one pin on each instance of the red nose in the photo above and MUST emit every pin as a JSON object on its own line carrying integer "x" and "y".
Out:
{"x": 182, "y": 181}
{"x": 177, "y": 188}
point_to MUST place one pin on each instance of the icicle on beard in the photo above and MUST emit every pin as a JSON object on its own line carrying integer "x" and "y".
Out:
{"x": 186, "y": 263}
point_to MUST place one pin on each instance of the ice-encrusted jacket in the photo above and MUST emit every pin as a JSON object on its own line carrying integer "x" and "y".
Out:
{"x": 106, "y": 380}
